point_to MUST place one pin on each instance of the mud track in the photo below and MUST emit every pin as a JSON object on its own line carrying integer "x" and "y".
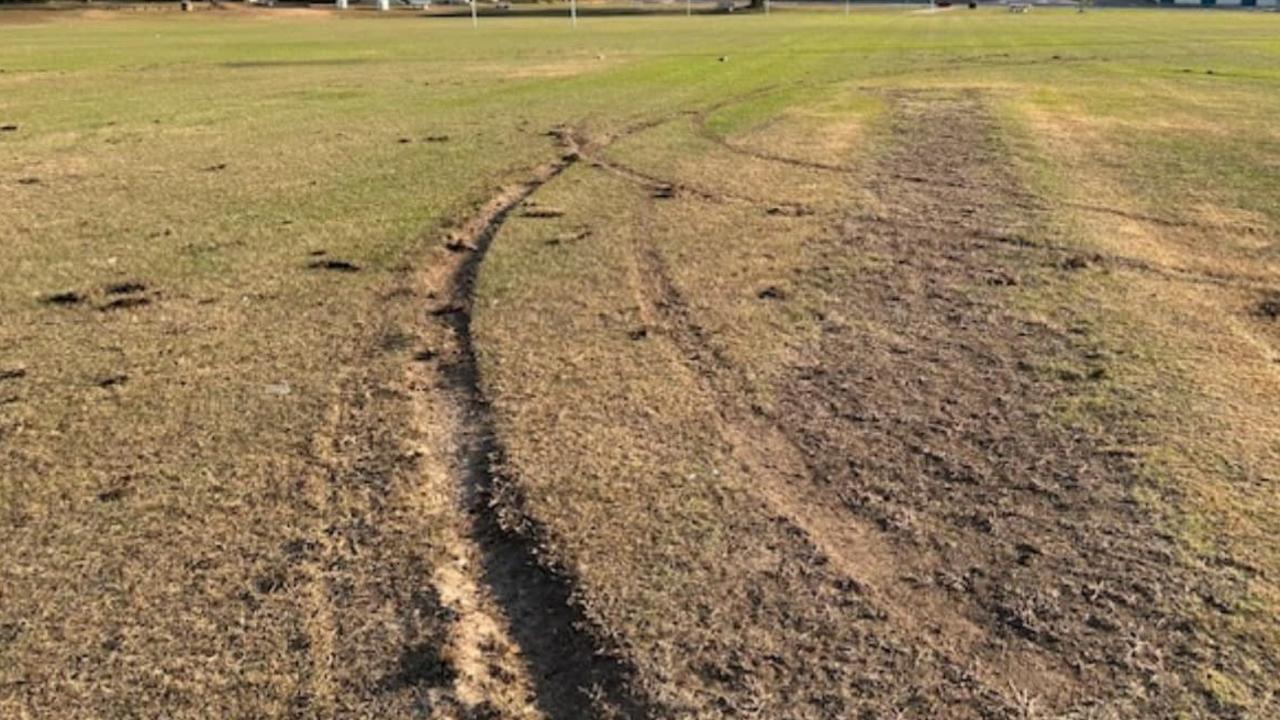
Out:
{"x": 935, "y": 414}
{"x": 921, "y": 456}
{"x": 521, "y": 645}
{"x": 918, "y": 455}
{"x": 518, "y": 645}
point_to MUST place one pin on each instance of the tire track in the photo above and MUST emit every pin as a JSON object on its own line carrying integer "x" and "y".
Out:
{"x": 666, "y": 188}
{"x": 319, "y": 627}
{"x": 786, "y": 483}
{"x": 521, "y": 644}
{"x": 592, "y": 151}
{"x": 706, "y": 133}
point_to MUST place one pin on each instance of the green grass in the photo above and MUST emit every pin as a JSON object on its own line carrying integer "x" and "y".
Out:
{"x": 123, "y": 118}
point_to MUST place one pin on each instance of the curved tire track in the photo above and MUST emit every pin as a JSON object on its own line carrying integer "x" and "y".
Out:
{"x": 521, "y": 644}
{"x": 539, "y": 628}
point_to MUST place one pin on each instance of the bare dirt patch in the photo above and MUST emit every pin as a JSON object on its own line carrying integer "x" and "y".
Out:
{"x": 914, "y": 525}
{"x": 926, "y": 467}
{"x": 934, "y": 412}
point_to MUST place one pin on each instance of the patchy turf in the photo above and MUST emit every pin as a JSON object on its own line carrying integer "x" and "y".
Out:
{"x": 801, "y": 366}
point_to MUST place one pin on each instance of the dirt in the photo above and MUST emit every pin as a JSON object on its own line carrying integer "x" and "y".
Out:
{"x": 334, "y": 265}
{"x": 995, "y": 551}
{"x": 519, "y": 644}
{"x": 1268, "y": 307}
{"x": 542, "y": 213}
{"x": 942, "y": 541}
{"x": 125, "y": 288}
{"x": 65, "y": 298}
{"x": 125, "y": 303}
{"x": 110, "y": 381}
{"x": 932, "y": 413}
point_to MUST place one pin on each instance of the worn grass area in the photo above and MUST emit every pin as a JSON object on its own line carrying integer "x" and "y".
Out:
{"x": 1191, "y": 217}
{"x": 244, "y": 472}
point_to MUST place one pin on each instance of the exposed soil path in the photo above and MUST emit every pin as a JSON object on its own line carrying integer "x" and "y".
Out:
{"x": 935, "y": 414}
{"x": 930, "y": 469}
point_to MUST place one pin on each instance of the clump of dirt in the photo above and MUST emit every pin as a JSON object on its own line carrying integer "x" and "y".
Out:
{"x": 542, "y": 213}
{"x": 125, "y": 303}
{"x": 125, "y": 288}
{"x": 457, "y": 244}
{"x": 115, "y": 494}
{"x": 569, "y": 237}
{"x": 66, "y": 298}
{"x": 1079, "y": 262}
{"x": 1269, "y": 306}
{"x": 448, "y": 309}
{"x": 113, "y": 380}
{"x": 788, "y": 210}
{"x": 334, "y": 265}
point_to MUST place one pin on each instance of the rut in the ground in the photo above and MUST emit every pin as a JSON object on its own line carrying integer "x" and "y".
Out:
{"x": 517, "y": 641}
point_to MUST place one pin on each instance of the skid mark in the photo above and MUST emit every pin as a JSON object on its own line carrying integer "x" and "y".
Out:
{"x": 519, "y": 641}
{"x": 973, "y": 618}
{"x": 782, "y": 478}
{"x": 520, "y": 644}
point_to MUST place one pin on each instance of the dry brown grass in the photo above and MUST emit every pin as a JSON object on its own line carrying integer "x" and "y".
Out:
{"x": 1207, "y": 366}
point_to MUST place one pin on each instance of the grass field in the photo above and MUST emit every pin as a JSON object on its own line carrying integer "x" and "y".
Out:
{"x": 897, "y": 365}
